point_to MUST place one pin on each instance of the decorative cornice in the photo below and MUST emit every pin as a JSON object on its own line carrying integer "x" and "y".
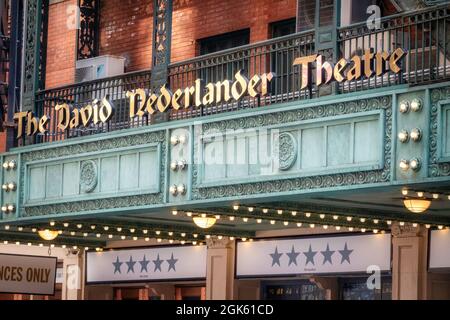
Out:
{"x": 95, "y": 146}
{"x": 304, "y": 183}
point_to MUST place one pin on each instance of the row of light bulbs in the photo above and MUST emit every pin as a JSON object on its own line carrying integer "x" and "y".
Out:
{"x": 10, "y": 165}
{"x": 41, "y": 245}
{"x": 415, "y": 105}
{"x": 415, "y": 135}
{"x": 8, "y": 208}
{"x": 145, "y": 232}
{"x": 321, "y": 216}
{"x": 414, "y": 164}
{"x": 8, "y": 187}
{"x": 421, "y": 194}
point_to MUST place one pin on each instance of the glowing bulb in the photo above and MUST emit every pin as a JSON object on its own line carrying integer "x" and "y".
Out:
{"x": 272, "y": 222}
{"x": 174, "y": 212}
{"x": 415, "y": 225}
{"x": 245, "y": 219}
{"x": 280, "y": 212}
{"x": 349, "y": 219}
{"x": 294, "y": 213}
{"x": 389, "y": 222}
{"x": 299, "y": 224}
{"x": 259, "y": 220}
{"x": 335, "y": 217}
{"x": 351, "y": 229}
{"x": 267, "y": 210}
{"x": 189, "y": 214}
{"x": 428, "y": 226}
{"x": 308, "y": 214}
{"x": 440, "y": 227}
{"x": 402, "y": 224}
{"x": 420, "y": 194}
{"x": 235, "y": 208}
{"x": 66, "y": 225}
{"x": 376, "y": 221}
{"x": 325, "y": 227}
{"x": 312, "y": 226}
{"x": 52, "y": 223}
{"x": 405, "y": 192}
{"x": 119, "y": 229}
{"x": 435, "y": 196}
{"x": 322, "y": 216}
{"x": 363, "y": 230}
{"x": 110, "y": 236}
{"x": 362, "y": 220}
{"x": 286, "y": 223}
{"x": 250, "y": 209}
{"x": 338, "y": 228}
{"x": 232, "y": 218}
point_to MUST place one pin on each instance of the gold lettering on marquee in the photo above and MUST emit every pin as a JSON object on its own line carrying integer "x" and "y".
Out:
{"x": 143, "y": 103}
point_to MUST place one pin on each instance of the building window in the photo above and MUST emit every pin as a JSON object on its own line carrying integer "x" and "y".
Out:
{"x": 224, "y": 41}
{"x": 223, "y": 70}
{"x": 291, "y": 290}
{"x": 282, "y": 60}
{"x": 282, "y": 28}
{"x": 356, "y": 289}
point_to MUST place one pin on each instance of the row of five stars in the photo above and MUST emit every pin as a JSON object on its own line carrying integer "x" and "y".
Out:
{"x": 327, "y": 254}
{"x": 144, "y": 264}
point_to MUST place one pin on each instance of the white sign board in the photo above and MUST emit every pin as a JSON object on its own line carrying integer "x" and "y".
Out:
{"x": 162, "y": 263}
{"x": 313, "y": 255}
{"x": 439, "y": 249}
{"x": 27, "y": 274}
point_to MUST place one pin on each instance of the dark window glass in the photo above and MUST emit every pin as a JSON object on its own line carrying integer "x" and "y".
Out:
{"x": 282, "y": 28}
{"x": 291, "y": 290}
{"x": 224, "y": 41}
{"x": 306, "y": 14}
{"x": 223, "y": 71}
{"x": 282, "y": 60}
{"x": 356, "y": 289}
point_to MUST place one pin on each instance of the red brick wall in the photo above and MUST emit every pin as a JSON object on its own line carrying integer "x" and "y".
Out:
{"x": 126, "y": 29}
{"x": 197, "y": 19}
{"x": 61, "y": 46}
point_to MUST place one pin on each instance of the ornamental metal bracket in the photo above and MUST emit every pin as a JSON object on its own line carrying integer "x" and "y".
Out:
{"x": 88, "y": 31}
{"x": 162, "y": 35}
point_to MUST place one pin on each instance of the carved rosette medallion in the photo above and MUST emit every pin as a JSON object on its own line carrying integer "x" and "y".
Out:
{"x": 88, "y": 176}
{"x": 286, "y": 150}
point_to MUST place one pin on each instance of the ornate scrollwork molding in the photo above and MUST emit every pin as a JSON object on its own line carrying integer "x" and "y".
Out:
{"x": 405, "y": 231}
{"x": 214, "y": 243}
{"x": 435, "y": 168}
